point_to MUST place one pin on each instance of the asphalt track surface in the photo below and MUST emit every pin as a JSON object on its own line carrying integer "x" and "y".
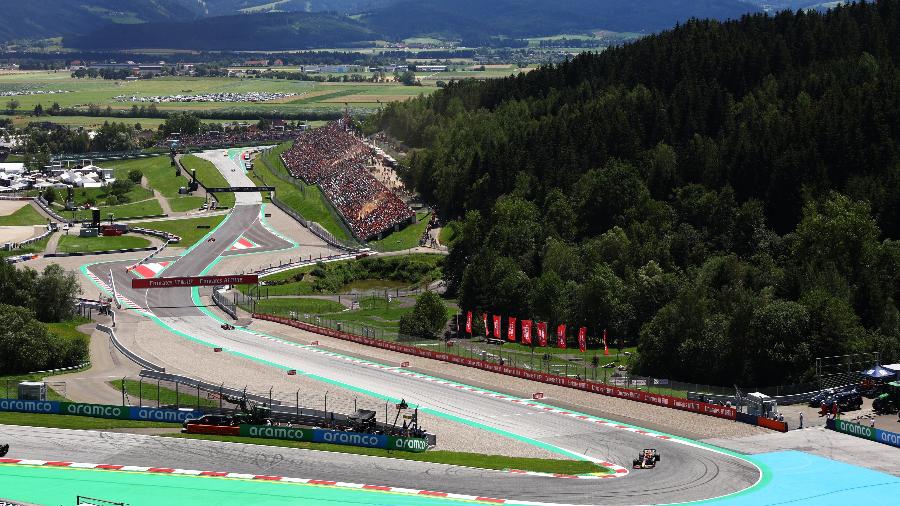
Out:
{"x": 686, "y": 472}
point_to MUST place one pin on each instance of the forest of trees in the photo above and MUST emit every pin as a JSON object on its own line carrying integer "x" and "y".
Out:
{"x": 726, "y": 195}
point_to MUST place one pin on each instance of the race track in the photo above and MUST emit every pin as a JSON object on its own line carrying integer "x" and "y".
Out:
{"x": 687, "y": 472}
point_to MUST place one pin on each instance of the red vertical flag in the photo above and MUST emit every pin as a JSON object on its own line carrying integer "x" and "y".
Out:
{"x": 511, "y": 329}
{"x": 542, "y": 333}
{"x": 469, "y": 322}
{"x": 582, "y": 339}
{"x": 605, "y": 347}
{"x": 484, "y": 318}
{"x": 526, "y": 331}
{"x": 497, "y": 326}
{"x": 561, "y": 335}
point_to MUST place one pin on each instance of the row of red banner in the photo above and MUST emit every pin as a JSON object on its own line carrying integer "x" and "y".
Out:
{"x": 527, "y": 325}
{"x": 667, "y": 401}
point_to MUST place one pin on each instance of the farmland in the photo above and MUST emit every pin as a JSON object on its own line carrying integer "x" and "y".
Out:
{"x": 80, "y": 93}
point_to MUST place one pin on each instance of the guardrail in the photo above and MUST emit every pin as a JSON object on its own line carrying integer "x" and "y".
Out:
{"x": 223, "y": 303}
{"x": 134, "y": 357}
{"x": 49, "y": 210}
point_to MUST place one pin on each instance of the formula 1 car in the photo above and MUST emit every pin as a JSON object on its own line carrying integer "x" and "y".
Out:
{"x": 4, "y": 449}
{"x": 226, "y": 326}
{"x": 647, "y": 459}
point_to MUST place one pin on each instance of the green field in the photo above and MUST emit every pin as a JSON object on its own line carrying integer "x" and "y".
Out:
{"x": 148, "y": 207}
{"x": 478, "y": 460}
{"x": 27, "y": 215}
{"x": 75, "y": 244}
{"x": 311, "y": 96}
{"x": 161, "y": 177}
{"x": 284, "y": 305}
{"x": 209, "y": 176}
{"x": 186, "y": 228}
{"x": 305, "y": 199}
{"x": 449, "y": 233}
{"x": 147, "y": 395}
{"x": 300, "y": 281}
{"x": 406, "y": 238}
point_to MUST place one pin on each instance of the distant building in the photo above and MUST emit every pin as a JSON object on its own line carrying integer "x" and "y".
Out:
{"x": 278, "y": 63}
{"x": 431, "y": 68}
{"x": 256, "y": 63}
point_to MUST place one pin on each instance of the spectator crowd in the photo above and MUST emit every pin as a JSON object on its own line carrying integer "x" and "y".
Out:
{"x": 232, "y": 137}
{"x": 335, "y": 159}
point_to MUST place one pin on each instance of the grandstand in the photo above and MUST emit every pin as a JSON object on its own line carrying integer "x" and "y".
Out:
{"x": 335, "y": 159}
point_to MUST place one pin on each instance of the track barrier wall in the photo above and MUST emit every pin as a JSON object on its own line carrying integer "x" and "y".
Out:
{"x": 405, "y": 444}
{"x": 99, "y": 410}
{"x": 704, "y": 408}
{"x": 862, "y": 431}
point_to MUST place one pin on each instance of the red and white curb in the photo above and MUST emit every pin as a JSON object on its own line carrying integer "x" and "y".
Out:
{"x": 130, "y": 304}
{"x": 242, "y": 244}
{"x": 264, "y": 477}
{"x": 150, "y": 270}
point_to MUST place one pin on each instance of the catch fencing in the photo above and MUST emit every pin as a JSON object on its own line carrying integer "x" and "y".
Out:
{"x": 658, "y": 399}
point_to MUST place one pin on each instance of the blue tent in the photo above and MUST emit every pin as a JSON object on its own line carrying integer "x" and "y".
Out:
{"x": 879, "y": 372}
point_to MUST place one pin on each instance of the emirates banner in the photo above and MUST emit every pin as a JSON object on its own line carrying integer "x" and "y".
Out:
{"x": 469, "y": 322}
{"x": 582, "y": 339}
{"x": 551, "y": 379}
{"x": 561, "y": 335}
{"x": 605, "y": 347}
{"x": 242, "y": 279}
{"x": 526, "y": 331}
{"x": 497, "y": 326}
{"x": 484, "y": 319}
{"x": 542, "y": 333}
{"x": 511, "y": 329}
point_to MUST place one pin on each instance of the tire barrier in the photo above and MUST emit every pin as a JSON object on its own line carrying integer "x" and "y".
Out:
{"x": 134, "y": 357}
{"x": 49, "y": 210}
{"x": 404, "y": 444}
{"x": 99, "y": 410}
{"x": 667, "y": 401}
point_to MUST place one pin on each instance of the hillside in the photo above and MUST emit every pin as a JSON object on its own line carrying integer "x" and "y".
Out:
{"x": 725, "y": 195}
{"x": 469, "y": 20}
{"x": 30, "y": 19}
{"x": 531, "y": 18}
{"x": 296, "y": 30}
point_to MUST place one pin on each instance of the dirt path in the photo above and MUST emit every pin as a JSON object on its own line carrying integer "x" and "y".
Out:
{"x": 163, "y": 201}
{"x": 107, "y": 364}
{"x": 53, "y": 242}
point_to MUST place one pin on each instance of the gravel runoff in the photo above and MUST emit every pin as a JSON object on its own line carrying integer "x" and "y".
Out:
{"x": 191, "y": 359}
{"x": 646, "y": 415}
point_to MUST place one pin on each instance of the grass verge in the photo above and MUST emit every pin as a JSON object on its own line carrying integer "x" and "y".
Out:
{"x": 75, "y": 244}
{"x": 210, "y": 176}
{"x": 167, "y": 396}
{"x": 305, "y": 199}
{"x": 149, "y": 207}
{"x": 438, "y": 457}
{"x": 406, "y": 238}
{"x": 298, "y": 304}
{"x": 186, "y": 228}
{"x": 77, "y": 422}
{"x": 26, "y": 215}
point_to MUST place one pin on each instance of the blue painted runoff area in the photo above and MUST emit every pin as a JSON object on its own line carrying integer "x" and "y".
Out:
{"x": 803, "y": 479}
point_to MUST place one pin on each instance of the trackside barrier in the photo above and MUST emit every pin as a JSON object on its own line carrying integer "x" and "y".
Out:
{"x": 715, "y": 410}
{"x": 137, "y": 359}
{"x": 746, "y": 418}
{"x": 99, "y": 410}
{"x": 771, "y": 424}
{"x": 406, "y": 444}
{"x": 862, "y": 431}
